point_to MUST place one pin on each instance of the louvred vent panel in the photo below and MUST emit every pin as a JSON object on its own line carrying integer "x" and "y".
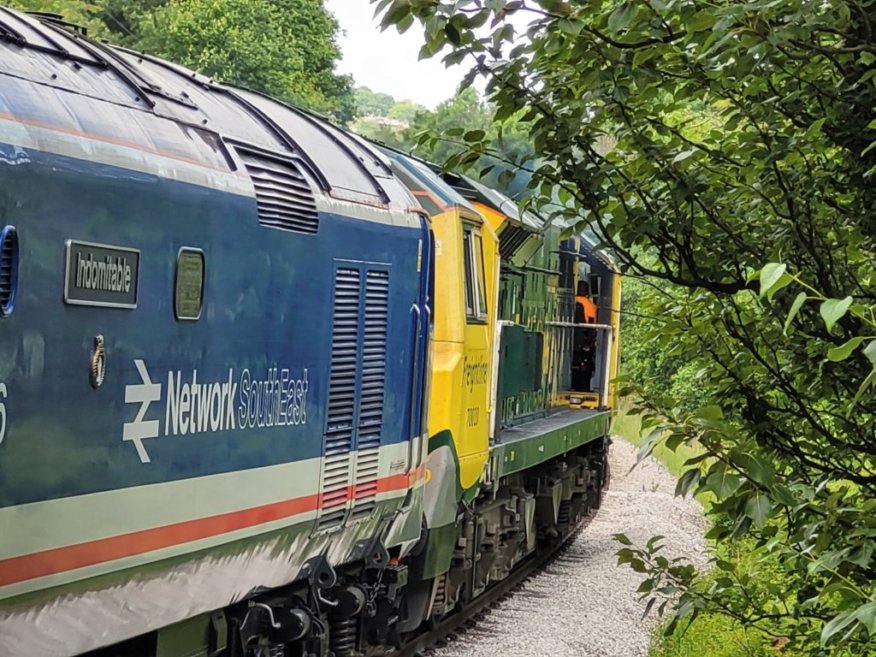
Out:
{"x": 285, "y": 199}
{"x": 8, "y": 268}
{"x": 340, "y": 419}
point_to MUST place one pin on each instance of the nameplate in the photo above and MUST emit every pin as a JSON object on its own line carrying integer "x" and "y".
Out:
{"x": 101, "y": 275}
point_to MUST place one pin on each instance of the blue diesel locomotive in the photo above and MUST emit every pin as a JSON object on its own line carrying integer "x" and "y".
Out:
{"x": 212, "y": 355}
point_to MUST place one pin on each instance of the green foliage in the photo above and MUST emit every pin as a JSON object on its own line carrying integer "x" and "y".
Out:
{"x": 446, "y": 135}
{"x": 725, "y": 152}
{"x": 285, "y": 48}
{"x": 405, "y": 111}
{"x": 370, "y": 103}
{"x": 80, "y": 13}
{"x": 282, "y": 46}
{"x": 628, "y": 425}
{"x": 461, "y": 134}
{"x": 385, "y": 119}
{"x": 649, "y": 355}
{"x": 715, "y": 635}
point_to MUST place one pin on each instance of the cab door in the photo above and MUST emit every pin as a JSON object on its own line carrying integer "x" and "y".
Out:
{"x": 479, "y": 257}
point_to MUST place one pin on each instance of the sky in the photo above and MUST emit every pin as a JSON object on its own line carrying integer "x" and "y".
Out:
{"x": 387, "y": 61}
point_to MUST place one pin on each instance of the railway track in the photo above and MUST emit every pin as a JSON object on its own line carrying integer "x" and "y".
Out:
{"x": 468, "y": 617}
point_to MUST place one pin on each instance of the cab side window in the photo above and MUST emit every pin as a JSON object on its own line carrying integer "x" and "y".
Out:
{"x": 475, "y": 285}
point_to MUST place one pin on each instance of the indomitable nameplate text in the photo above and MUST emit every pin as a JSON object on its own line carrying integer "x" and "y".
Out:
{"x": 101, "y": 275}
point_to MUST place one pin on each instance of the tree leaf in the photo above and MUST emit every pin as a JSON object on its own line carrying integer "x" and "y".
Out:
{"x": 870, "y": 351}
{"x": 770, "y": 276}
{"x": 723, "y": 484}
{"x": 711, "y": 412}
{"x": 844, "y": 350}
{"x": 686, "y": 481}
{"x": 866, "y": 615}
{"x": 681, "y": 157}
{"x": 837, "y": 624}
{"x": 620, "y": 18}
{"x": 799, "y": 300}
{"x": 833, "y": 310}
{"x": 571, "y": 27}
{"x": 866, "y": 383}
{"x": 760, "y": 470}
{"x": 702, "y": 20}
{"x": 758, "y": 508}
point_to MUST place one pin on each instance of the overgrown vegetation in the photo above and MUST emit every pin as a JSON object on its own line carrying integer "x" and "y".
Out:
{"x": 435, "y": 136}
{"x": 286, "y": 48}
{"x": 738, "y": 182}
{"x": 650, "y": 358}
{"x": 710, "y": 634}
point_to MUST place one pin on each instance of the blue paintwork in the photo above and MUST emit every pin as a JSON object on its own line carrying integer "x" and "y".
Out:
{"x": 268, "y": 303}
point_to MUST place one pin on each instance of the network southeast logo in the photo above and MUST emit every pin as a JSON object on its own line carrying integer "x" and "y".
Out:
{"x": 278, "y": 399}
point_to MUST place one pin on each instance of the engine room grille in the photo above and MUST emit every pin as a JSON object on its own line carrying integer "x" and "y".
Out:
{"x": 8, "y": 269}
{"x": 341, "y": 412}
{"x": 373, "y": 359}
{"x": 285, "y": 199}
{"x": 371, "y": 391}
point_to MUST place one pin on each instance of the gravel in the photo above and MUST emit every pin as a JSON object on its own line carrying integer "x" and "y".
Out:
{"x": 583, "y": 604}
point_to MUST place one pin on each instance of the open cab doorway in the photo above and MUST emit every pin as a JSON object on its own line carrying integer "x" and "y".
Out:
{"x": 591, "y": 283}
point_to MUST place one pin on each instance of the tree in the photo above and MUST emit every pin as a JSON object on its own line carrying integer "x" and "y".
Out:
{"x": 282, "y": 47}
{"x": 650, "y": 360}
{"x": 370, "y": 103}
{"x": 405, "y": 111}
{"x": 740, "y": 175}
{"x": 79, "y": 13}
{"x": 436, "y": 135}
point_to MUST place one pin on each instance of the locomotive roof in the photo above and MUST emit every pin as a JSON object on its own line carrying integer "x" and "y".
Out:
{"x": 58, "y": 78}
{"x": 419, "y": 175}
{"x": 473, "y": 190}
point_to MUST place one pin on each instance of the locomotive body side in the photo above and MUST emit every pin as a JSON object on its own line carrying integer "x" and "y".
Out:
{"x": 212, "y": 371}
{"x": 546, "y": 464}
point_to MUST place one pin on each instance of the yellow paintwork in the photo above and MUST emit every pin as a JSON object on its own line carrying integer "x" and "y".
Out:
{"x": 494, "y": 219}
{"x": 462, "y": 349}
{"x": 615, "y": 344}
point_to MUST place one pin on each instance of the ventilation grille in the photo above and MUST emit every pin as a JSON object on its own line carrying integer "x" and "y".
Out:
{"x": 8, "y": 269}
{"x": 511, "y": 239}
{"x": 373, "y": 359}
{"x": 371, "y": 391}
{"x": 367, "y": 470}
{"x": 342, "y": 397}
{"x": 285, "y": 199}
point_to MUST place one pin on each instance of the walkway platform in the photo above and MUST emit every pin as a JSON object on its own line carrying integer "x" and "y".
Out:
{"x": 523, "y": 446}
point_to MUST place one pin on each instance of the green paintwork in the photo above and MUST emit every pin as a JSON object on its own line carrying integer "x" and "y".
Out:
{"x": 439, "y": 551}
{"x": 531, "y": 298}
{"x": 521, "y": 361}
{"x": 470, "y": 493}
{"x": 186, "y": 638}
{"x": 518, "y": 455}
